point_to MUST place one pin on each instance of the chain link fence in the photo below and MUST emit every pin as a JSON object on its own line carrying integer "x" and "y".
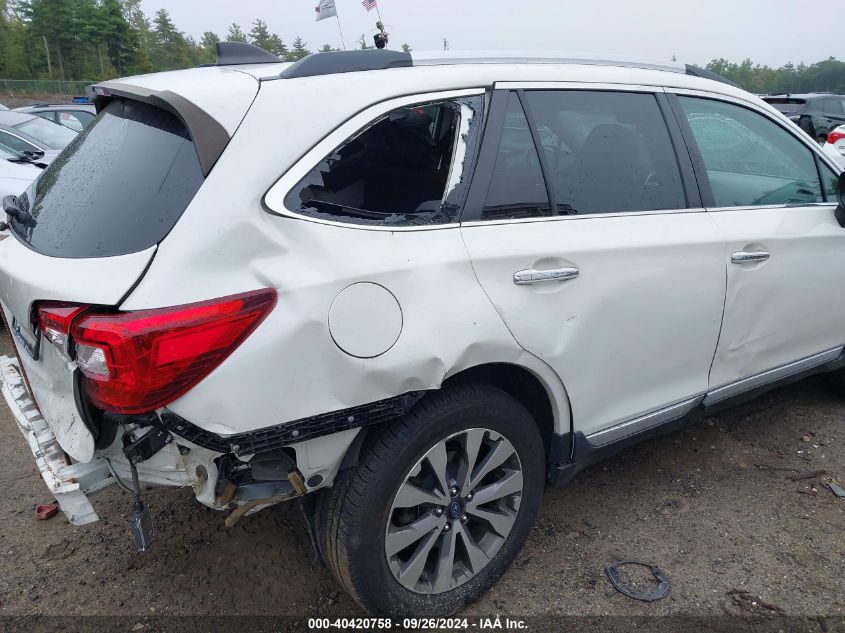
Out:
{"x": 43, "y": 86}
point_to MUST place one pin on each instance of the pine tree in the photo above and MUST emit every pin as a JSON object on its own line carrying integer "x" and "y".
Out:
{"x": 53, "y": 21}
{"x": 298, "y": 50}
{"x": 169, "y": 49}
{"x": 117, "y": 36}
{"x": 235, "y": 34}
{"x": 139, "y": 29}
{"x": 209, "y": 42}
{"x": 263, "y": 38}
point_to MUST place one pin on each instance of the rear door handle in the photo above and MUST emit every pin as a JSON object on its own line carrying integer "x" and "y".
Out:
{"x": 744, "y": 257}
{"x": 531, "y": 276}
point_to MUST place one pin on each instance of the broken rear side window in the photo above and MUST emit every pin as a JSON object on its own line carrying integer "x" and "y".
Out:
{"x": 407, "y": 168}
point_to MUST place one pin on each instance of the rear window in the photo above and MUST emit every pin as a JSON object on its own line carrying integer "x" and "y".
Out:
{"x": 119, "y": 188}
{"x": 788, "y": 106}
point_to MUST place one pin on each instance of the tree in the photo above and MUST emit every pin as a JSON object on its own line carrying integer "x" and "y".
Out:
{"x": 362, "y": 42}
{"x": 263, "y": 38}
{"x": 208, "y": 43}
{"x": 236, "y": 34}
{"x": 298, "y": 50}
{"x": 169, "y": 49}
{"x": 407, "y": 48}
{"x": 117, "y": 36}
{"x": 139, "y": 27}
{"x": 53, "y": 21}
{"x": 327, "y": 48}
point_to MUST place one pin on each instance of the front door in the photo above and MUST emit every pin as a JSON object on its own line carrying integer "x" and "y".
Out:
{"x": 606, "y": 268}
{"x": 785, "y": 259}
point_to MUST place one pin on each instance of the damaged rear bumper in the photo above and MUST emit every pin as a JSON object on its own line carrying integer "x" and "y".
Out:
{"x": 67, "y": 482}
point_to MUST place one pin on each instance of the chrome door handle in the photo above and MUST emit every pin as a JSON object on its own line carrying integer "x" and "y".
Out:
{"x": 744, "y": 257}
{"x": 531, "y": 276}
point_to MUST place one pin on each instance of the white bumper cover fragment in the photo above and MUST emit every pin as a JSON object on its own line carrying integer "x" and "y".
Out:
{"x": 64, "y": 480}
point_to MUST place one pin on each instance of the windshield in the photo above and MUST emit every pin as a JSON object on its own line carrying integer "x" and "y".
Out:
{"x": 50, "y": 134}
{"x": 119, "y": 188}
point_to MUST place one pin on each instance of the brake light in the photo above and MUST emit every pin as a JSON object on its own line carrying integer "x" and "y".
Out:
{"x": 835, "y": 136}
{"x": 134, "y": 362}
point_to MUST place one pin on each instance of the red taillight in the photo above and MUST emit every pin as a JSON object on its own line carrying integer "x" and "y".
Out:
{"x": 835, "y": 136}
{"x": 55, "y": 321}
{"x": 136, "y": 362}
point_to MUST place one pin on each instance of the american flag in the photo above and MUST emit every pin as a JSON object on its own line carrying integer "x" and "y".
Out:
{"x": 369, "y": 5}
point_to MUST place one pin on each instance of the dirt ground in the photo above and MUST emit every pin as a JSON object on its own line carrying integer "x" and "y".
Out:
{"x": 714, "y": 506}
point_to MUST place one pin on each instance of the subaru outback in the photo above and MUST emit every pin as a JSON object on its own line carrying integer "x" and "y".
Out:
{"x": 411, "y": 291}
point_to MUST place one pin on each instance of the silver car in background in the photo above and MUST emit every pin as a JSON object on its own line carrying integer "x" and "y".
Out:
{"x": 22, "y": 132}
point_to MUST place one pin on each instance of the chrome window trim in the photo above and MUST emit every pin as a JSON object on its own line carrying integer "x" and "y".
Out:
{"x": 579, "y": 85}
{"x": 771, "y": 375}
{"x": 274, "y": 198}
{"x": 763, "y": 207}
{"x": 585, "y": 216}
{"x": 770, "y": 113}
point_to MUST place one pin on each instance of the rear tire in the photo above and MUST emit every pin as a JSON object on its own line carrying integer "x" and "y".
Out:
{"x": 362, "y": 532}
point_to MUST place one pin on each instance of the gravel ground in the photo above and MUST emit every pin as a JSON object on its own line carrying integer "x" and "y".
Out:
{"x": 714, "y": 506}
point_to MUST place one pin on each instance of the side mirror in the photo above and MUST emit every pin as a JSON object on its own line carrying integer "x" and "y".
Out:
{"x": 840, "y": 198}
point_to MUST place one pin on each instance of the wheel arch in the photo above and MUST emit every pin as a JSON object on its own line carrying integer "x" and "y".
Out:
{"x": 550, "y": 412}
{"x": 538, "y": 389}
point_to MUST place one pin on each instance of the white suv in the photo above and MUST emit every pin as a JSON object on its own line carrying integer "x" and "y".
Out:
{"x": 421, "y": 288}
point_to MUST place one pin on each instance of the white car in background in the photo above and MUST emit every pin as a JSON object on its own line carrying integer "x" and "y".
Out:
{"x": 456, "y": 281}
{"x": 16, "y": 175}
{"x": 835, "y": 145}
{"x": 23, "y": 132}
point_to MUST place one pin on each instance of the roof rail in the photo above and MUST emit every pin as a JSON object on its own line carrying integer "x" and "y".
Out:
{"x": 445, "y": 58}
{"x": 695, "y": 71}
{"x": 239, "y": 53}
{"x": 363, "y": 60}
{"x": 337, "y": 62}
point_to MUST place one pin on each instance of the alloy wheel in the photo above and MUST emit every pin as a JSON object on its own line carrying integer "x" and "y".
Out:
{"x": 453, "y": 511}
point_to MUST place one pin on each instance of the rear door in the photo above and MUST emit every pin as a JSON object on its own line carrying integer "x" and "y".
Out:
{"x": 773, "y": 199}
{"x": 596, "y": 252}
{"x": 89, "y": 228}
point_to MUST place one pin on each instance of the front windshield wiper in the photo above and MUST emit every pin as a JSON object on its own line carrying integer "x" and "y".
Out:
{"x": 29, "y": 157}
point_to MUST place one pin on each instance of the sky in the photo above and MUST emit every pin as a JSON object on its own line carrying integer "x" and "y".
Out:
{"x": 770, "y": 32}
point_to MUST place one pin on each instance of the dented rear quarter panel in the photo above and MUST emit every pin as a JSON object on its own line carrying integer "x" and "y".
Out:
{"x": 290, "y": 368}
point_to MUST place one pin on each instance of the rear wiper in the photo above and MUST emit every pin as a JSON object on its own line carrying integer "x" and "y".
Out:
{"x": 29, "y": 157}
{"x": 13, "y": 209}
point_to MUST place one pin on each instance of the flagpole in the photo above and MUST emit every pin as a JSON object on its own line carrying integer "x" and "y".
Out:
{"x": 340, "y": 28}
